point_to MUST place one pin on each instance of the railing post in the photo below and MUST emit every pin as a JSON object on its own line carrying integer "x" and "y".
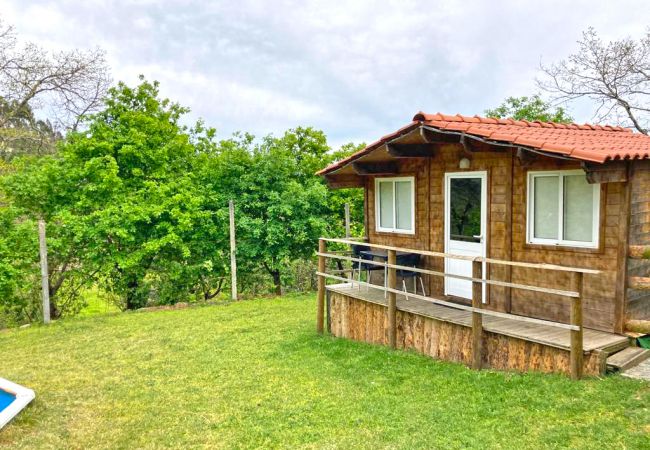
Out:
{"x": 477, "y": 318}
{"x": 576, "y": 319}
{"x": 392, "y": 300}
{"x": 322, "y": 248}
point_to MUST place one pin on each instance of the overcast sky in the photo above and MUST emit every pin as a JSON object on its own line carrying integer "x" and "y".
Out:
{"x": 355, "y": 69}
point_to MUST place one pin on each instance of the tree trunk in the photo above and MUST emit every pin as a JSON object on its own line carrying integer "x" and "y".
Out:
{"x": 133, "y": 300}
{"x": 54, "y": 310}
{"x": 277, "y": 282}
{"x": 275, "y": 274}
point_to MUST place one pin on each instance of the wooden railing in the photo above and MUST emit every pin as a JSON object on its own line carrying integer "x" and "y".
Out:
{"x": 575, "y": 294}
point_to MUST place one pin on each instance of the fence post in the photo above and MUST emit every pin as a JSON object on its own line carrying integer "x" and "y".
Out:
{"x": 347, "y": 221}
{"x": 322, "y": 248}
{"x": 576, "y": 319}
{"x": 233, "y": 252}
{"x": 477, "y": 318}
{"x": 45, "y": 280}
{"x": 392, "y": 300}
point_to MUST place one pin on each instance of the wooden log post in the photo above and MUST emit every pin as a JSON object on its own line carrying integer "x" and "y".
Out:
{"x": 637, "y": 326}
{"x": 347, "y": 236}
{"x": 233, "y": 252}
{"x": 320, "y": 315}
{"x": 45, "y": 279}
{"x": 477, "y": 318}
{"x": 576, "y": 319}
{"x": 392, "y": 300}
{"x": 347, "y": 221}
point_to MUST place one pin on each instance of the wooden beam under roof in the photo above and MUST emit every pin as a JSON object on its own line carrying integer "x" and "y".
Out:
{"x": 346, "y": 181}
{"x": 468, "y": 148}
{"x": 526, "y": 157}
{"x": 411, "y": 150}
{"x": 375, "y": 168}
{"x": 610, "y": 172}
{"x": 434, "y": 137}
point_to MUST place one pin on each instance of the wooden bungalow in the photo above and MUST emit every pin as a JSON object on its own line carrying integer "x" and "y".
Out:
{"x": 531, "y": 237}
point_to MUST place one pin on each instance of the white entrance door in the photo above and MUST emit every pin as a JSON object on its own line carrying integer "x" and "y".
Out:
{"x": 465, "y": 227}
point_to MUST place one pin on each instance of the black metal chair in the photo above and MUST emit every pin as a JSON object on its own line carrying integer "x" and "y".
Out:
{"x": 361, "y": 266}
{"x": 410, "y": 260}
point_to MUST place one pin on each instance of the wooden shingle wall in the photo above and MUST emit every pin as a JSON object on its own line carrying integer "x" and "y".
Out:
{"x": 600, "y": 292}
{"x": 638, "y": 301}
{"x": 506, "y": 234}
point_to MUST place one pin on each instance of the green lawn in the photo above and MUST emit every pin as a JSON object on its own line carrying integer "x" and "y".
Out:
{"x": 97, "y": 303}
{"x": 255, "y": 374}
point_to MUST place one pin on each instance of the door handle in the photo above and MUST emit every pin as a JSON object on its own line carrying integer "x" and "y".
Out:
{"x": 479, "y": 237}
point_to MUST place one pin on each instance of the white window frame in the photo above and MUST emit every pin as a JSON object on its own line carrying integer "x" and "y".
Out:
{"x": 530, "y": 227}
{"x": 394, "y": 229}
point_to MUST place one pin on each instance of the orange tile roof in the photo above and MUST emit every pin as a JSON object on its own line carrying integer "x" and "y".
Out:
{"x": 594, "y": 143}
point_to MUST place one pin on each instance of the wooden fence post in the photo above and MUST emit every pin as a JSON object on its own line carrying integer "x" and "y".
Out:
{"x": 233, "y": 253}
{"x": 392, "y": 300}
{"x": 347, "y": 221}
{"x": 576, "y": 319}
{"x": 45, "y": 279}
{"x": 477, "y": 318}
{"x": 322, "y": 248}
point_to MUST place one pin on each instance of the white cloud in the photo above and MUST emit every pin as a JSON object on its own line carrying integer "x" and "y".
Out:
{"x": 356, "y": 69}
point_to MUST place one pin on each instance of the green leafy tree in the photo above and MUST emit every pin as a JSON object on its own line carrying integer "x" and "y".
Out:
{"x": 124, "y": 193}
{"x": 19, "y": 274}
{"x": 529, "y": 108}
{"x": 337, "y": 198}
{"x": 282, "y": 207}
{"x": 137, "y": 205}
{"x": 280, "y": 203}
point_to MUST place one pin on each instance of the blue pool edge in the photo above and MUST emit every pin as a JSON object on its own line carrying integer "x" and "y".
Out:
{"x": 23, "y": 396}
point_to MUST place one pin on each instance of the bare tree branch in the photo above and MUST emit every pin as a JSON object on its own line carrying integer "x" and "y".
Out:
{"x": 67, "y": 86}
{"x": 615, "y": 75}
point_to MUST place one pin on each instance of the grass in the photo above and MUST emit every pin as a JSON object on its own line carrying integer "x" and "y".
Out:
{"x": 255, "y": 374}
{"x": 97, "y": 303}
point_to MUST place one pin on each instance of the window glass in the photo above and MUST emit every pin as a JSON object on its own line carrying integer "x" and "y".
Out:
{"x": 403, "y": 205}
{"x": 578, "y": 209}
{"x": 465, "y": 209}
{"x": 546, "y": 206}
{"x": 386, "y": 204}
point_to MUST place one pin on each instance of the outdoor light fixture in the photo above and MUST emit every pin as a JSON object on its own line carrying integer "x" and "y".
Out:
{"x": 464, "y": 163}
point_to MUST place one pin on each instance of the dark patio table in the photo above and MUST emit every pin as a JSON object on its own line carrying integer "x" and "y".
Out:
{"x": 383, "y": 254}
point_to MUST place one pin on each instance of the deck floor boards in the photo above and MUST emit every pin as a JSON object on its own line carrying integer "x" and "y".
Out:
{"x": 544, "y": 334}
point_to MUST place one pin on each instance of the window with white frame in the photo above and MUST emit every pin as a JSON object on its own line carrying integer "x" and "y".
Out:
{"x": 395, "y": 204}
{"x": 563, "y": 209}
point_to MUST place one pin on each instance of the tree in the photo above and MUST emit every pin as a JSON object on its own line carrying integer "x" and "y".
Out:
{"x": 122, "y": 199}
{"x": 280, "y": 204}
{"x": 615, "y": 75}
{"x": 19, "y": 274}
{"x": 68, "y": 84}
{"x": 529, "y": 108}
{"x": 23, "y": 133}
{"x": 137, "y": 205}
{"x": 337, "y": 198}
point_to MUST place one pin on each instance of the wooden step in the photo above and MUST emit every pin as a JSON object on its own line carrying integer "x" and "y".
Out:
{"x": 627, "y": 358}
{"x": 616, "y": 347}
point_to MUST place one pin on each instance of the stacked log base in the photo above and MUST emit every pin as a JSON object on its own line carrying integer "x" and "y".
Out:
{"x": 368, "y": 322}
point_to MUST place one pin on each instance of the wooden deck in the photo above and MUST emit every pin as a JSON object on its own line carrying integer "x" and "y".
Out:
{"x": 533, "y": 332}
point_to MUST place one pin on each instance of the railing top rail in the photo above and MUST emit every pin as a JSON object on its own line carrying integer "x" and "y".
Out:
{"x": 541, "y": 266}
{"x": 525, "y": 287}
